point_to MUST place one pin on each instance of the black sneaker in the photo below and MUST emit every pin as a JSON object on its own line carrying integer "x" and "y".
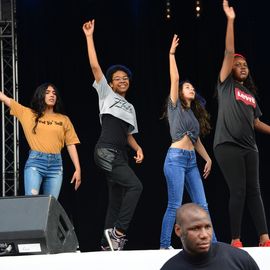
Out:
{"x": 115, "y": 242}
{"x": 105, "y": 248}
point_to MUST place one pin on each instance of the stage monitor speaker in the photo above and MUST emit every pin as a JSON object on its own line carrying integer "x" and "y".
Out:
{"x": 35, "y": 225}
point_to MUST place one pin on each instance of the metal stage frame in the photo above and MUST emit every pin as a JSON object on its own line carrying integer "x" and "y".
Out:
{"x": 9, "y": 85}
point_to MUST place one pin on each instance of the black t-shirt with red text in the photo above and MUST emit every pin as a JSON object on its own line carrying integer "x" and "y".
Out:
{"x": 237, "y": 109}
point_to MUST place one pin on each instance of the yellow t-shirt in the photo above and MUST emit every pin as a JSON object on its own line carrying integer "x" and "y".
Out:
{"x": 52, "y": 132}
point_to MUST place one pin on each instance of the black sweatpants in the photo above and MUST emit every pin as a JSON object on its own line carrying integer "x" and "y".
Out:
{"x": 240, "y": 168}
{"x": 124, "y": 187}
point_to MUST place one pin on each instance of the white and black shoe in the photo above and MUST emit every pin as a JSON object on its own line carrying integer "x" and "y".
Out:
{"x": 116, "y": 243}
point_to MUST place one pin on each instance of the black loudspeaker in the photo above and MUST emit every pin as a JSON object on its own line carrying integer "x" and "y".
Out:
{"x": 35, "y": 225}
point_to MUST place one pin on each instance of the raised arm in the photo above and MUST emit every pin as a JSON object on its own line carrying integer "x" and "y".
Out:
{"x": 229, "y": 42}
{"x": 174, "y": 75}
{"x": 4, "y": 99}
{"x": 88, "y": 29}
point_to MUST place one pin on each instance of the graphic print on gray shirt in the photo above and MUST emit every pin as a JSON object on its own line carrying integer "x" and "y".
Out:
{"x": 114, "y": 104}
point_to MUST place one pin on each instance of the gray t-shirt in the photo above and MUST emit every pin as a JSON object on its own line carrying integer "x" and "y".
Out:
{"x": 114, "y": 104}
{"x": 182, "y": 122}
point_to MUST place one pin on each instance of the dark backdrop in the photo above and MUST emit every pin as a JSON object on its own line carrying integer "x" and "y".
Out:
{"x": 52, "y": 47}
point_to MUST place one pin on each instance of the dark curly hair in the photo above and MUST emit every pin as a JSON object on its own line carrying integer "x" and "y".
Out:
{"x": 38, "y": 104}
{"x": 198, "y": 108}
{"x": 114, "y": 68}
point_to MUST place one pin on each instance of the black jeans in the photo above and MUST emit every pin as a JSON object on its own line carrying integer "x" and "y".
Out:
{"x": 124, "y": 187}
{"x": 240, "y": 168}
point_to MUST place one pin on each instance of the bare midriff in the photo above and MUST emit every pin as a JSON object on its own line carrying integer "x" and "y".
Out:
{"x": 185, "y": 143}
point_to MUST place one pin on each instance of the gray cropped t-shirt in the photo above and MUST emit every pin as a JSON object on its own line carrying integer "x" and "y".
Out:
{"x": 182, "y": 122}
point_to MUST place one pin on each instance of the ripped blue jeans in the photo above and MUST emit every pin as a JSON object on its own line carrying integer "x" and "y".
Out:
{"x": 43, "y": 172}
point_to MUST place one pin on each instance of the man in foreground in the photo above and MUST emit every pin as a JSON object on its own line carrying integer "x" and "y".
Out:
{"x": 193, "y": 226}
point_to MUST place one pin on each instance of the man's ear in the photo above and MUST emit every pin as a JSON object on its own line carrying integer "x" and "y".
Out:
{"x": 177, "y": 230}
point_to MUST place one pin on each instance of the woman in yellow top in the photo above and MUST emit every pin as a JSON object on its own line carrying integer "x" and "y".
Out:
{"x": 47, "y": 130}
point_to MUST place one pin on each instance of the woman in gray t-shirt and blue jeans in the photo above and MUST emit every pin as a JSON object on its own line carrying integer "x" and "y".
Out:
{"x": 187, "y": 120}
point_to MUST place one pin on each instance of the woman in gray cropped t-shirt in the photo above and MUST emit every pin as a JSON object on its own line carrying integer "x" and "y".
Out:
{"x": 187, "y": 120}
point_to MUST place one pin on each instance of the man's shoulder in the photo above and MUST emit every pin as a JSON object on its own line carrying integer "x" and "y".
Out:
{"x": 226, "y": 248}
{"x": 173, "y": 262}
{"x": 226, "y": 252}
{"x": 229, "y": 248}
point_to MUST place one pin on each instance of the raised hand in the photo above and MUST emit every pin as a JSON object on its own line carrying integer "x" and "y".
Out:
{"x": 88, "y": 28}
{"x": 175, "y": 43}
{"x": 229, "y": 11}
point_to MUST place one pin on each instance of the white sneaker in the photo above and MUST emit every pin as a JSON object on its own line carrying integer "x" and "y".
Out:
{"x": 170, "y": 247}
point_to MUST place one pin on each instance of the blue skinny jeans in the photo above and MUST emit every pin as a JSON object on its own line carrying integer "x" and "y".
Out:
{"x": 180, "y": 169}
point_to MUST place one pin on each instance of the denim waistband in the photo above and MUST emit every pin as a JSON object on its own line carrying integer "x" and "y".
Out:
{"x": 182, "y": 151}
{"x": 42, "y": 154}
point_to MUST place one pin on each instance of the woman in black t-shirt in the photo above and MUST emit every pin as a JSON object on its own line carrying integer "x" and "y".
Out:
{"x": 235, "y": 147}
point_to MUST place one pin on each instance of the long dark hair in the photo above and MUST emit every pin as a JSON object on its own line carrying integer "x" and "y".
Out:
{"x": 38, "y": 104}
{"x": 197, "y": 106}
